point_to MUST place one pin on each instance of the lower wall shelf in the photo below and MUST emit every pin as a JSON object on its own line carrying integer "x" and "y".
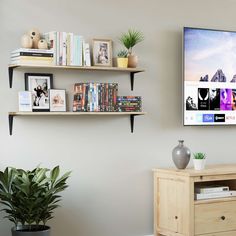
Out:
{"x": 11, "y": 115}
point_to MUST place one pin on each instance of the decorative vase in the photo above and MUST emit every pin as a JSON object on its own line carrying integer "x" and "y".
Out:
{"x": 35, "y": 35}
{"x": 122, "y": 62}
{"x": 36, "y": 230}
{"x": 199, "y": 164}
{"x": 26, "y": 41}
{"x": 181, "y": 155}
{"x": 132, "y": 61}
{"x": 42, "y": 44}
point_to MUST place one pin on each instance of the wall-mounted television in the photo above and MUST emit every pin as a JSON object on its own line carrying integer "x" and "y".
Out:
{"x": 209, "y": 77}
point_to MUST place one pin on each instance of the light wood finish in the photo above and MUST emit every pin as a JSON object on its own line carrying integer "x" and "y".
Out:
{"x": 75, "y": 113}
{"x": 82, "y": 68}
{"x": 229, "y": 233}
{"x": 215, "y": 217}
{"x": 176, "y": 213}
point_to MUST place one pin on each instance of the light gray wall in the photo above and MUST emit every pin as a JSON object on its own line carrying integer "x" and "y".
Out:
{"x": 111, "y": 186}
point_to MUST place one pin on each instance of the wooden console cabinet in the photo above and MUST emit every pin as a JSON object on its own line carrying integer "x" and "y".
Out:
{"x": 176, "y": 213}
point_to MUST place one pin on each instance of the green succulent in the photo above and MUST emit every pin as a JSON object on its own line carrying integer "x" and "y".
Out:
{"x": 122, "y": 53}
{"x": 131, "y": 38}
{"x": 199, "y": 155}
{"x": 30, "y": 197}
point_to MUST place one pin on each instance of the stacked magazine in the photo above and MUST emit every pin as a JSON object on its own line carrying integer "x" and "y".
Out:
{"x": 216, "y": 191}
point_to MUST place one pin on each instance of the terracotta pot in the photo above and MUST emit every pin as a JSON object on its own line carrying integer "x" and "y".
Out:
{"x": 122, "y": 62}
{"x": 132, "y": 61}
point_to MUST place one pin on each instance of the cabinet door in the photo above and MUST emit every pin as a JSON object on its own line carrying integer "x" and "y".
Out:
{"x": 173, "y": 205}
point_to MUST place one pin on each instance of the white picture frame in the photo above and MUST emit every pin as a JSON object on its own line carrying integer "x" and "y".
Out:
{"x": 57, "y": 98}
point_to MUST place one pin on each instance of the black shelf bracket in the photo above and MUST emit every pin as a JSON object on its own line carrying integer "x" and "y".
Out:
{"x": 10, "y": 120}
{"x": 10, "y": 74}
{"x": 132, "y": 79}
{"x": 132, "y": 122}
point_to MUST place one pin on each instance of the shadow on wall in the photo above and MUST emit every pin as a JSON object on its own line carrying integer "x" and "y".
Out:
{"x": 170, "y": 79}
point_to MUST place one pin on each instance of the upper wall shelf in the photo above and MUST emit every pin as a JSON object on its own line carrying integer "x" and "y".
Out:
{"x": 131, "y": 71}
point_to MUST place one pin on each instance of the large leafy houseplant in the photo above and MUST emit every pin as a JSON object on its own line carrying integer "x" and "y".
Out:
{"x": 30, "y": 197}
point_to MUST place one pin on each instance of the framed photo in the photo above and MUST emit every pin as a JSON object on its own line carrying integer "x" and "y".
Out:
{"x": 102, "y": 52}
{"x": 38, "y": 85}
{"x": 57, "y": 98}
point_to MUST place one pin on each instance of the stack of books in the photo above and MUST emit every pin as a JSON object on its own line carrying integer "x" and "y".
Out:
{"x": 95, "y": 97}
{"x": 129, "y": 103}
{"x": 69, "y": 49}
{"x": 209, "y": 192}
{"x": 32, "y": 57}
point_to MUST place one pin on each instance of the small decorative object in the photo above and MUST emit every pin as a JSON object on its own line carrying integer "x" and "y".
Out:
{"x": 39, "y": 84}
{"x": 199, "y": 160}
{"x": 181, "y": 155}
{"x": 42, "y": 44}
{"x": 129, "y": 40}
{"x": 35, "y": 35}
{"x": 26, "y": 41}
{"x": 122, "y": 59}
{"x": 25, "y": 101}
{"x": 30, "y": 198}
{"x": 57, "y": 99}
{"x": 102, "y": 52}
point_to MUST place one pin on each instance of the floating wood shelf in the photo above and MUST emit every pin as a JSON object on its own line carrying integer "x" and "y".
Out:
{"x": 131, "y": 71}
{"x": 11, "y": 115}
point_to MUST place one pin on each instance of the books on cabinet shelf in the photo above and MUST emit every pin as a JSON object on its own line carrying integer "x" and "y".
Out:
{"x": 210, "y": 192}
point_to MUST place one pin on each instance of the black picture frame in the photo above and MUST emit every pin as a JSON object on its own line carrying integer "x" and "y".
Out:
{"x": 39, "y": 84}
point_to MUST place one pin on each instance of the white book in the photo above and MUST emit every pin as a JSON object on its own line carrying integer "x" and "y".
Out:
{"x": 32, "y": 50}
{"x": 58, "y": 48}
{"x": 25, "y": 101}
{"x": 64, "y": 37}
{"x": 202, "y": 196}
{"x": 86, "y": 54}
{"x": 211, "y": 189}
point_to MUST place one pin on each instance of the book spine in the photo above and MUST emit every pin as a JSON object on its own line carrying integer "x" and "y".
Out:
{"x": 212, "y": 190}
{"x": 32, "y": 54}
{"x": 64, "y": 37}
{"x": 202, "y": 196}
{"x": 68, "y": 49}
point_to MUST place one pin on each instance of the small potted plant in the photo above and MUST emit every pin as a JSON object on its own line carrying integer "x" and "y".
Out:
{"x": 199, "y": 160}
{"x": 129, "y": 40}
{"x": 30, "y": 197}
{"x": 122, "y": 59}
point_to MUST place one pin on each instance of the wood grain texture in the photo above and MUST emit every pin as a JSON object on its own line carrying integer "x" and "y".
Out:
{"x": 82, "y": 68}
{"x": 75, "y": 113}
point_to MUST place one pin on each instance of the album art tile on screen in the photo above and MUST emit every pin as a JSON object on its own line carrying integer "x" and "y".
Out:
{"x": 209, "y": 77}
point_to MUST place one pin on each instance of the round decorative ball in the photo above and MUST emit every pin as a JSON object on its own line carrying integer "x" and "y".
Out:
{"x": 42, "y": 44}
{"x": 26, "y": 41}
{"x": 35, "y": 36}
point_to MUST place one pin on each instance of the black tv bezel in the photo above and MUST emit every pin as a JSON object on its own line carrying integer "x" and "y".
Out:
{"x": 183, "y": 76}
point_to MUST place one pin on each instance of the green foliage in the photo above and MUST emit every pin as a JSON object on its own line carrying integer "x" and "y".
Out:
{"x": 30, "y": 197}
{"x": 199, "y": 155}
{"x": 131, "y": 38}
{"x": 122, "y": 54}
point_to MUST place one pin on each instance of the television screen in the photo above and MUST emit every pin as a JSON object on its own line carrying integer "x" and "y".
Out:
{"x": 209, "y": 77}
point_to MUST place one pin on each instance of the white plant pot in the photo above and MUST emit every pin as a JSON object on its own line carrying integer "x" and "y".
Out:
{"x": 199, "y": 164}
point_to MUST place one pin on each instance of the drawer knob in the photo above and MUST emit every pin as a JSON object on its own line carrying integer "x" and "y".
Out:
{"x": 176, "y": 217}
{"x": 222, "y": 217}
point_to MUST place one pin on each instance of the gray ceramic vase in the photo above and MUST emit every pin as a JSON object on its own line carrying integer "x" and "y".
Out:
{"x": 40, "y": 230}
{"x": 181, "y": 155}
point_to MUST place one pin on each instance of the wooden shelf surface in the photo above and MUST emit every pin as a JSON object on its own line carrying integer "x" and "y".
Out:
{"x": 82, "y": 68}
{"x": 214, "y": 200}
{"x": 75, "y": 113}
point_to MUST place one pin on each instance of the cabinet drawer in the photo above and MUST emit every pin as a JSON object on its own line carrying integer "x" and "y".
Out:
{"x": 215, "y": 217}
{"x": 230, "y": 233}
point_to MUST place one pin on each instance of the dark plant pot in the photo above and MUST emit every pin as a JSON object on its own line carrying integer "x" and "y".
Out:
{"x": 35, "y": 230}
